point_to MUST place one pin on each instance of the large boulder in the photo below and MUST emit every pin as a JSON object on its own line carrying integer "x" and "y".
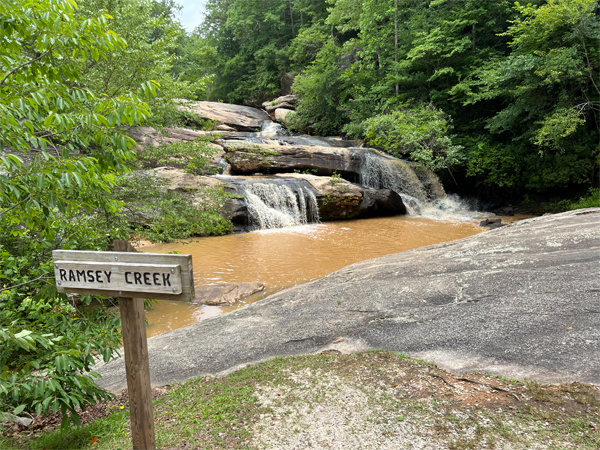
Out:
{"x": 285, "y": 105}
{"x": 242, "y": 118}
{"x": 226, "y": 293}
{"x": 283, "y": 115}
{"x": 151, "y": 137}
{"x": 290, "y": 100}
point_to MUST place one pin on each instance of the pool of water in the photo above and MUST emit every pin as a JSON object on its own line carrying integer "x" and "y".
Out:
{"x": 289, "y": 256}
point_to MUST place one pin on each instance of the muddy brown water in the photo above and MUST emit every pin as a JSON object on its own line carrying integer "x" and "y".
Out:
{"x": 285, "y": 257}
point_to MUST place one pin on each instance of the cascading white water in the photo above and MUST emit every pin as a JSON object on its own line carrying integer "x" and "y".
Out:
{"x": 271, "y": 129}
{"x": 312, "y": 209}
{"x": 381, "y": 172}
{"x": 273, "y": 205}
{"x": 421, "y": 192}
{"x": 225, "y": 166}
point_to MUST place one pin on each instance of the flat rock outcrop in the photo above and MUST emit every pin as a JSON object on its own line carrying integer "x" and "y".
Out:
{"x": 285, "y": 101}
{"x": 150, "y": 137}
{"x": 247, "y": 158}
{"x": 522, "y": 301}
{"x": 242, "y": 118}
{"x": 226, "y": 293}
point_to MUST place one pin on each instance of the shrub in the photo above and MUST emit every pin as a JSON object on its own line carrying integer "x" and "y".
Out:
{"x": 420, "y": 134}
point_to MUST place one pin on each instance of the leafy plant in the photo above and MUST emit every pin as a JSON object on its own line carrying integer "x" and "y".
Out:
{"x": 63, "y": 144}
{"x": 421, "y": 134}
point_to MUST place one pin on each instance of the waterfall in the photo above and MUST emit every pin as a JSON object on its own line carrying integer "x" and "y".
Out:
{"x": 420, "y": 189}
{"x": 274, "y": 205}
{"x": 312, "y": 210}
{"x": 382, "y": 172}
{"x": 272, "y": 130}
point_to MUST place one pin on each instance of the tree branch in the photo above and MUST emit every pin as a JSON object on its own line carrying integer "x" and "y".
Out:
{"x": 15, "y": 205}
{"x": 23, "y": 65}
{"x": 41, "y": 277}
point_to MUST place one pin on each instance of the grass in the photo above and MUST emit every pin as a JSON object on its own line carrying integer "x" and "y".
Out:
{"x": 289, "y": 399}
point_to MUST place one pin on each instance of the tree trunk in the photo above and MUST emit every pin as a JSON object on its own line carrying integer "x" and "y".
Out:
{"x": 396, "y": 43}
{"x": 292, "y": 19}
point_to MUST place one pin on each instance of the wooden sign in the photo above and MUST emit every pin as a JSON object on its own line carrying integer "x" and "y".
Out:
{"x": 131, "y": 276}
{"x": 124, "y": 274}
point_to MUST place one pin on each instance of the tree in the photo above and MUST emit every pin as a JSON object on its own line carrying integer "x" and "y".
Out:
{"x": 153, "y": 39}
{"x": 62, "y": 145}
{"x": 549, "y": 85}
{"x": 251, "y": 38}
{"x": 421, "y": 134}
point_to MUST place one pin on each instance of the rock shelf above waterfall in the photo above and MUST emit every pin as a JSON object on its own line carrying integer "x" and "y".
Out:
{"x": 247, "y": 158}
{"x": 366, "y": 166}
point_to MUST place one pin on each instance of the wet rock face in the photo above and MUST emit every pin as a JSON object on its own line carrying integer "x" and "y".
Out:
{"x": 335, "y": 199}
{"x": 242, "y": 118}
{"x": 522, "y": 301}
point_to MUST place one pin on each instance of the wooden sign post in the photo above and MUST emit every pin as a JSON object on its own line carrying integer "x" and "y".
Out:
{"x": 131, "y": 276}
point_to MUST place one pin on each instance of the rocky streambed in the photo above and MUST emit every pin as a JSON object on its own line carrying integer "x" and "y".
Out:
{"x": 278, "y": 179}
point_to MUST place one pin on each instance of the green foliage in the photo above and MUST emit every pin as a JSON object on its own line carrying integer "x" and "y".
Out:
{"x": 192, "y": 156}
{"x": 250, "y": 41}
{"x": 63, "y": 145}
{"x": 420, "y": 134}
{"x": 319, "y": 90}
{"x": 549, "y": 90}
{"x": 163, "y": 215}
{"x": 304, "y": 48}
{"x": 592, "y": 200}
{"x": 47, "y": 353}
{"x": 549, "y": 77}
{"x": 152, "y": 38}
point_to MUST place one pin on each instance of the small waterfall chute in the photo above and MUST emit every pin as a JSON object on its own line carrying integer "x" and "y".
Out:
{"x": 275, "y": 205}
{"x": 312, "y": 207}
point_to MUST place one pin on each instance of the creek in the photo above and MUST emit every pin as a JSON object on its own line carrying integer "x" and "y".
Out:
{"x": 284, "y": 257}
